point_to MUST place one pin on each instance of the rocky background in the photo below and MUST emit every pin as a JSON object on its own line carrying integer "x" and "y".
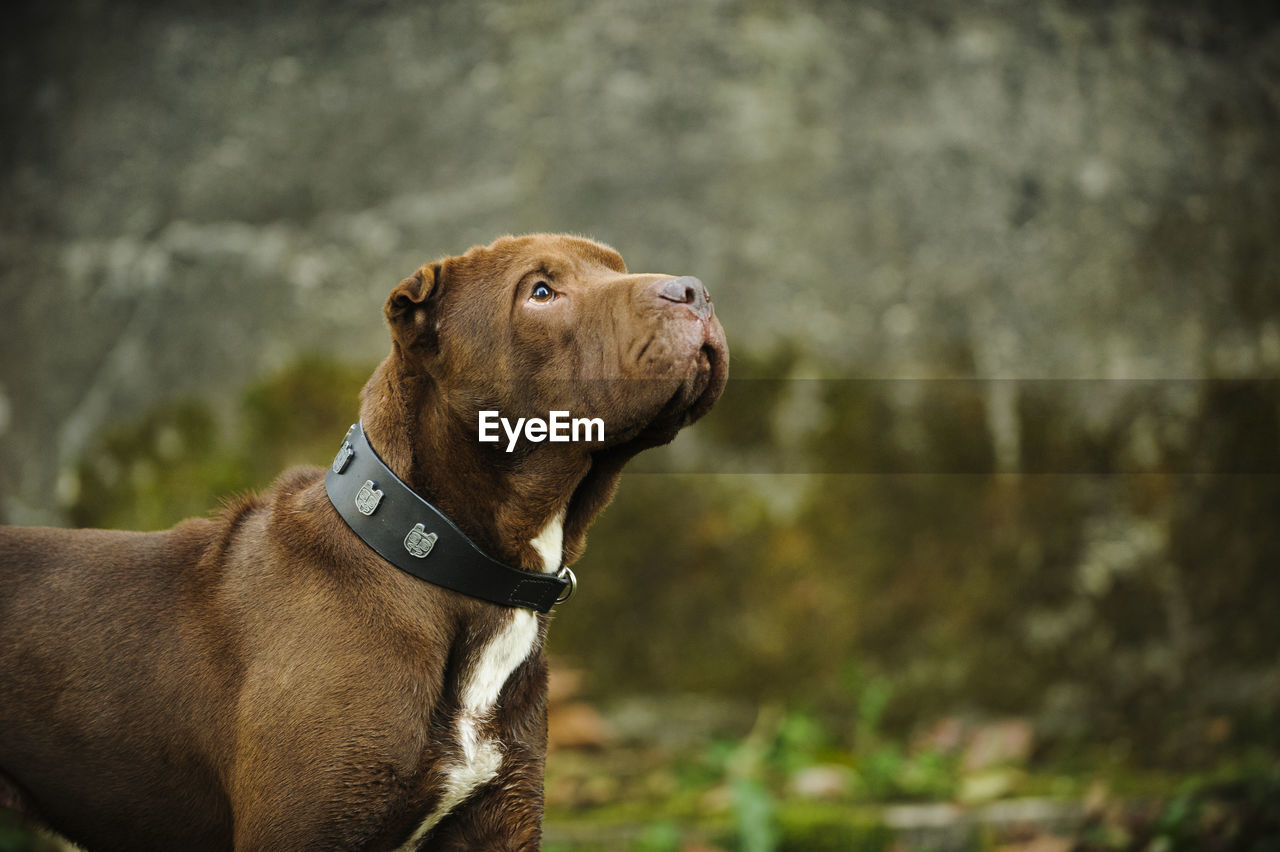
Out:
{"x": 1001, "y": 280}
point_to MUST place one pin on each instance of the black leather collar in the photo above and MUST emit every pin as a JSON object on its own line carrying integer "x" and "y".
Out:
{"x": 418, "y": 538}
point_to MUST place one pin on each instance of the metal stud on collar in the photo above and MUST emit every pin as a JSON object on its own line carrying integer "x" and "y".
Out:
{"x": 566, "y": 571}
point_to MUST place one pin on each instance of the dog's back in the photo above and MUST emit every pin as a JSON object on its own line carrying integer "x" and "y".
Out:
{"x": 86, "y": 616}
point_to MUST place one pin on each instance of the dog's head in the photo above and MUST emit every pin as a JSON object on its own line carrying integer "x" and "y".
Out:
{"x": 536, "y": 324}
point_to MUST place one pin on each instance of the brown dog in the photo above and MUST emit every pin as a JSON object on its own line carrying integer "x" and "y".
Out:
{"x": 264, "y": 679}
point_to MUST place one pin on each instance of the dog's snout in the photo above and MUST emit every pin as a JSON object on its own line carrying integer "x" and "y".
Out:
{"x": 687, "y": 290}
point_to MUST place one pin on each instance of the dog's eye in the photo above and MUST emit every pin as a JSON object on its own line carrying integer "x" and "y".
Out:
{"x": 542, "y": 292}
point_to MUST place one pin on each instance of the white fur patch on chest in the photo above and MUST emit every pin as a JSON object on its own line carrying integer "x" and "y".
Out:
{"x": 480, "y": 757}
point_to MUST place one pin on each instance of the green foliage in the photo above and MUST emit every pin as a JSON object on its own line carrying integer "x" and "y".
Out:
{"x": 813, "y": 827}
{"x": 753, "y": 812}
{"x": 15, "y": 836}
{"x": 885, "y": 768}
{"x": 872, "y": 701}
{"x": 296, "y": 416}
{"x": 758, "y": 772}
{"x": 1234, "y": 809}
{"x": 1242, "y": 813}
{"x": 661, "y": 836}
{"x": 180, "y": 460}
{"x": 171, "y": 465}
{"x": 799, "y": 741}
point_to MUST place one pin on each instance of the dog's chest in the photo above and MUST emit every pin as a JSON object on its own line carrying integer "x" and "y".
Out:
{"x": 479, "y": 753}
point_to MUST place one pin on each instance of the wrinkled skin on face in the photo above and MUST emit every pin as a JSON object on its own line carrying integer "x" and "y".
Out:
{"x": 583, "y": 335}
{"x": 543, "y": 323}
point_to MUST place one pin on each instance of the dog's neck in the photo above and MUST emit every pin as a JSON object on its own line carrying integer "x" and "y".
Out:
{"x": 514, "y": 510}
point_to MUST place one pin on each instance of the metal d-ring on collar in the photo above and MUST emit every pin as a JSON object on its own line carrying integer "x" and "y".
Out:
{"x": 419, "y": 539}
{"x": 566, "y": 573}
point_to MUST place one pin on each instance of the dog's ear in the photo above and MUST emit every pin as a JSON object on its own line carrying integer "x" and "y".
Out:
{"x": 411, "y": 308}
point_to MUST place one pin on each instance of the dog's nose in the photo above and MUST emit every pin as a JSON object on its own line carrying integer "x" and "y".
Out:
{"x": 687, "y": 290}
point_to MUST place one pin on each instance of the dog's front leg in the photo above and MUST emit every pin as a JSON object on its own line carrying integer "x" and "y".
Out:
{"x": 503, "y": 816}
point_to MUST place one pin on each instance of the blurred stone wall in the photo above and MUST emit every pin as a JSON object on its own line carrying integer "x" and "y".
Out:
{"x": 194, "y": 195}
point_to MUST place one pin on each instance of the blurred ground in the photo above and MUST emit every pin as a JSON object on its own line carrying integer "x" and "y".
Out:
{"x": 1001, "y": 452}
